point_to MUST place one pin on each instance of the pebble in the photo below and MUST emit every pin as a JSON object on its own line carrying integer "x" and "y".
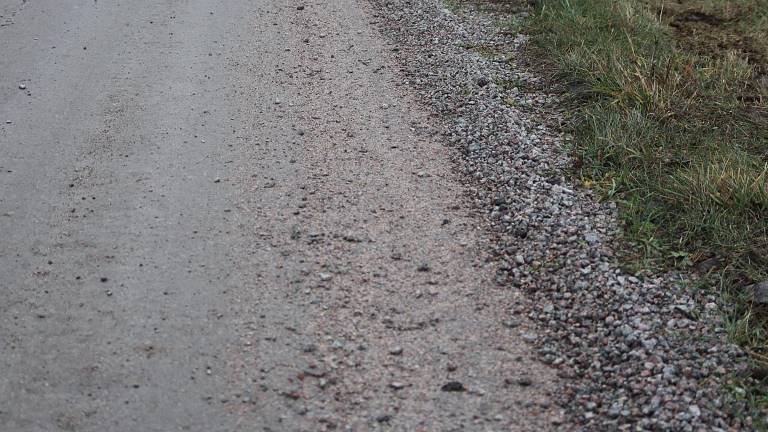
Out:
{"x": 510, "y": 323}
{"x": 524, "y": 381}
{"x": 694, "y": 410}
{"x": 591, "y": 238}
{"x": 424, "y": 267}
{"x": 453, "y": 386}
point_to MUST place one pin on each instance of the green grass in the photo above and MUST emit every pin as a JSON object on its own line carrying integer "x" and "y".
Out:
{"x": 673, "y": 125}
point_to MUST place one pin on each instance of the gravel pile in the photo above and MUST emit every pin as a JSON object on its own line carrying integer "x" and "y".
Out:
{"x": 635, "y": 352}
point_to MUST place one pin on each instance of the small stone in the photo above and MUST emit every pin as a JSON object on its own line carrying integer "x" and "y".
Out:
{"x": 352, "y": 238}
{"x": 477, "y": 391}
{"x": 614, "y": 410}
{"x": 315, "y": 373}
{"x": 708, "y": 264}
{"x": 396, "y": 350}
{"x": 649, "y": 344}
{"x": 694, "y": 410}
{"x": 591, "y": 238}
{"x": 294, "y": 395}
{"x": 669, "y": 372}
{"x": 453, "y": 386}
{"x": 424, "y": 267}
{"x": 483, "y": 81}
{"x": 22, "y": 86}
{"x": 524, "y": 381}
{"x": 397, "y": 385}
{"x": 510, "y": 324}
{"x": 325, "y": 277}
{"x": 760, "y": 292}
{"x": 300, "y": 7}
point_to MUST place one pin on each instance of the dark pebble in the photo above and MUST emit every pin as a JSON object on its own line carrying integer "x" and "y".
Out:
{"x": 453, "y": 386}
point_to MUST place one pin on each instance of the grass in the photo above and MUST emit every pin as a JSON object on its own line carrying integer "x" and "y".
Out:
{"x": 673, "y": 125}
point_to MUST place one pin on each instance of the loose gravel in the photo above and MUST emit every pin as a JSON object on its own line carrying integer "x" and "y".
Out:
{"x": 636, "y": 352}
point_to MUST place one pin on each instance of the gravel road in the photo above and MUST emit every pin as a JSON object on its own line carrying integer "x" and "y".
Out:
{"x": 229, "y": 215}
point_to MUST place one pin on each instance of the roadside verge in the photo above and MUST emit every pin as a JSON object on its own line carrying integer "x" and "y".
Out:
{"x": 637, "y": 348}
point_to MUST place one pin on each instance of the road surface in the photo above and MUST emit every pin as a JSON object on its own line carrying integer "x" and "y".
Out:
{"x": 231, "y": 216}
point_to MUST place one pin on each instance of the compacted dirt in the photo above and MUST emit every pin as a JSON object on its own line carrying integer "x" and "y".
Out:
{"x": 227, "y": 215}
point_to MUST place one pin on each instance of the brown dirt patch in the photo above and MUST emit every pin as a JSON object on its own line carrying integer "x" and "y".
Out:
{"x": 719, "y": 31}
